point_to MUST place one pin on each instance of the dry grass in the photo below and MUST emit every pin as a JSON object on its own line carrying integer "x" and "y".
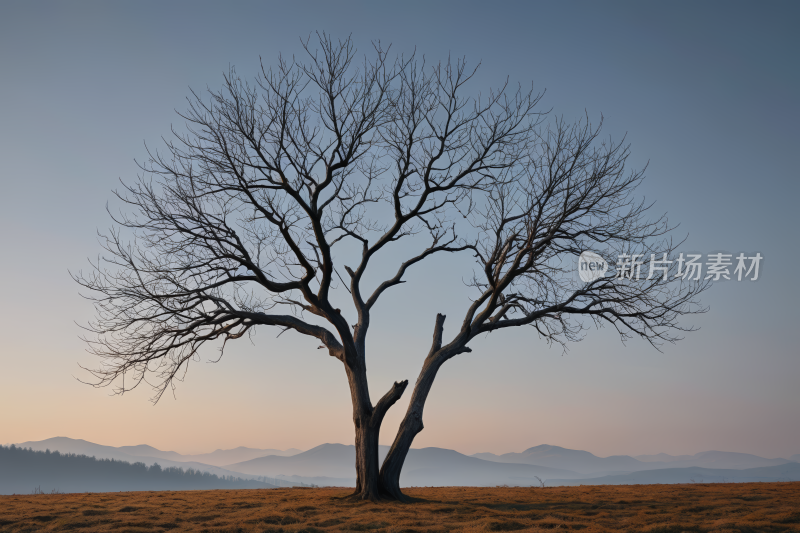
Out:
{"x": 753, "y": 507}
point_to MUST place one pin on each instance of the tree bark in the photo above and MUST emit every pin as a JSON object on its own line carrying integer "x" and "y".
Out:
{"x": 367, "y": 420}
{"x": 411, "y": 425}
{"x": 367, "y": 487}
{"x": 409, "y": 428}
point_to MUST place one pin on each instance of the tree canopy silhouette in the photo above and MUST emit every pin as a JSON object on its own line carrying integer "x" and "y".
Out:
{"x": 233, "y": 225}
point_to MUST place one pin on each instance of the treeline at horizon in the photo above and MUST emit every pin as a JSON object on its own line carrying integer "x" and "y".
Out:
{"x": 24, "y": 470}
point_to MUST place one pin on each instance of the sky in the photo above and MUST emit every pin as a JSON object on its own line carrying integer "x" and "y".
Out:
{"x": 706, "y": 92}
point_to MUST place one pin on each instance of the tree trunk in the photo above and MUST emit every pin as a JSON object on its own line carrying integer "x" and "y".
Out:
{"x": 367, "y": 434}
{"x": 367, "y": 420}
{"x": 389, "y": 477}
{"x": 411, "y": 425}
{"x": 371, "y": 483}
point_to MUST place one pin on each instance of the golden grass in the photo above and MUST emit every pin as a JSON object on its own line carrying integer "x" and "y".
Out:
{"x": 731, "y": 507}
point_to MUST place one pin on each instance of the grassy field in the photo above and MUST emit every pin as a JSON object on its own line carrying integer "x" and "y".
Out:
{"x": 752, "y": 507}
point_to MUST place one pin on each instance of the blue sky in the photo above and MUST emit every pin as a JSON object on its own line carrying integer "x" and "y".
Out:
{"x": 707, "y": 94}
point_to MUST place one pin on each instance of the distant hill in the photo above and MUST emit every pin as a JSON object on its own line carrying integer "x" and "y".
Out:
{"x": 423, "y": 467}
{"x": 216, "y": 458}
{"x": 587, "y": 463}
{"x": 429, "y": 467}
{"x": 77, "y": 446}
{"x": 576, "y": 460}
{"x": 795, "y": 458}
{"x": 715, "y": 459}
{"x": 145, "y": 454}
{"x": 334, "y": 464}
{"x": 235, "y": 455}
{"x": 23, "y": 470}
{"x": 784, "y": 472}
{"x": 141, "y": 450}
{"x": 328, "y": 460}
{"x": 91, "y": 449}
{"x": 662, "y": 458}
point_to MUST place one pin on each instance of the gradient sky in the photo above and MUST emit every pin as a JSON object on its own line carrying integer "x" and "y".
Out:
{"x": 707, "y": 92}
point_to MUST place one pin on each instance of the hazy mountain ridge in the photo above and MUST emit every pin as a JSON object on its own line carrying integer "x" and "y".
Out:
{"x": 423, "y": 467}
{"x": 661, "y": 458}
{"x": 333, "y": 464}
{"x": 440, "y": 467}
{"x": 557, "y": 457}
{"x": 784, "y": 472}
{"x": 235, "y": 455}
{"x": 325, "y": 460}
{"x": 22, "y": 470}
{"x": 100, "y": 451}
{"x": 592, "y": 465}
{"x": 216, "y": 458}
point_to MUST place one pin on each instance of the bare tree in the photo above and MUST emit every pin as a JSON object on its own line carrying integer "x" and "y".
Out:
{"x": 234, "y": 224}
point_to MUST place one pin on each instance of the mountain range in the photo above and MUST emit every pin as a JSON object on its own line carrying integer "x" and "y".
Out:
{"x": 23, "y": 470}
{"x": 215, "y": 458}
{"x": 333, "y": 465}
{"x": 149, "y": 455}
{"x": 423, "y": 467}
{"x": 784, "y": 472}
{"x": 586, "y": 463}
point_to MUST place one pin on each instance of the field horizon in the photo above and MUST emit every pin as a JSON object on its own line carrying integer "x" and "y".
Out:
{"x": 696, "y": 508}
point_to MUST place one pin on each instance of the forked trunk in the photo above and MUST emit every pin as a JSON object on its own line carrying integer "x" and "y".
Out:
{"x": 409, "y": 428}
{"x": 372, "y": 483}
{"x": 367, "y": 421}
{"x": 411, "y": 425}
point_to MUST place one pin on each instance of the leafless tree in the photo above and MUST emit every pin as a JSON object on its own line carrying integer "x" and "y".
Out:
{"x": 233, "y": 226}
